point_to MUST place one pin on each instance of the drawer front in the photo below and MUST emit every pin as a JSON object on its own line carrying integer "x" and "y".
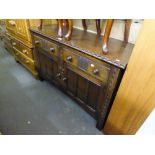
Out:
{"x": 88, "y": 65}
{"x": 27, "y": 51}
{"x": 7, "y": 38}
{"x": 28, "y": 63}
{"x": 11, "y": 25}
{"x": 37, "y": 41}
{"x": 46, "y": 45}
{"x": 52, "y": 49}
{"x": 15, "y": 43}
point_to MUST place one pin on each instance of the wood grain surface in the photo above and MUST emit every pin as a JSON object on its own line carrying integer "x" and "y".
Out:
{"x": 136, "y": 96}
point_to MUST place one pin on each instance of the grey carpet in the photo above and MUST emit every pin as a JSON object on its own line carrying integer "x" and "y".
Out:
{"x": 29, "y": 106}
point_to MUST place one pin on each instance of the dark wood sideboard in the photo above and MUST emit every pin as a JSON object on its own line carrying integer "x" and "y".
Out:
{"x": 80, "y": 68}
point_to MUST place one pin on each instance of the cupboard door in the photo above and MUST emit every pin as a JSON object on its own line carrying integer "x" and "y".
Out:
{"x": 72, "y": 82}
{"x": 93, "y": 95}
{"x": 22, "y": 29}
{"x": 82, "y": 89}
{"x": 89, "y": 94}
{"x": 43, "y": 68}
{"x": 46, "y": 66}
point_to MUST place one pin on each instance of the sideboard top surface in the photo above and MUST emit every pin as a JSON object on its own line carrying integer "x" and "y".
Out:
{"x": 91, "y": 44}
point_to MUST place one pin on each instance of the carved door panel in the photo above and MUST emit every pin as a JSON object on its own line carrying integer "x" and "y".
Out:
{"x": 46, "y": 66}
{"x": 22, "y": 29}
{"x": 84, "y": 90}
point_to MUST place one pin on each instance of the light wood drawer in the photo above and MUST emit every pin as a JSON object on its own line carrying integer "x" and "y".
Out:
{"x": 27, "y": 62}
{"x": 15, "y": 43}
{"x": 91, "y": 66}
{"x": 26, "y": 51}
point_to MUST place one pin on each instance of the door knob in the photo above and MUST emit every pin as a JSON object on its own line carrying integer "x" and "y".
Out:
{"x": 69, "y": 58}
{"x": 96, "y": 71}
{"x": 52, "y": 49}
{"x": 58, "y": 75}
{"x": 64, "y": 79}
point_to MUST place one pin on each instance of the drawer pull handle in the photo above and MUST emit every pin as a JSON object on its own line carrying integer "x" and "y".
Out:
{"x": 13, "y": 43}
{"x": 52, "y": 49}
{"x": 27, "y": 61}
{"x": 36, "y": 42}
{"x": 17, "y": 53}
{"x": 25, "y": 51}
{"x": 11, "y": 22}
{"x": 64, "y": 79}
{"x": 96, "y": 71}
{"x": 69, "y": 58}
{"x": 58, "y": 75}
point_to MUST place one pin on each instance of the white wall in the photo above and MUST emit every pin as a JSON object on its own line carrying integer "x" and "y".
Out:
{"x": 117, "y": 29}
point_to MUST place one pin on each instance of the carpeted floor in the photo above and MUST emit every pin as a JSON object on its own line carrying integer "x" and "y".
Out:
{"x": 29, "y": 106}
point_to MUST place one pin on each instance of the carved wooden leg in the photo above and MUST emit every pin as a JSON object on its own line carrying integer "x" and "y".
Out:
{"x": 66, "y": 23}
{"x": 60, "y": 25}
{"x": 98, "y": 27}
{"x": 106, "y": 35}
{"x": 70, "y": 29}
{"x": 127, "y": 29}
{"x": 84, "y": 24}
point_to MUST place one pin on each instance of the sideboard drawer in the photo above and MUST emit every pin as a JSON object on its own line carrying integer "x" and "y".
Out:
{"x": 27, "y": 51}
{"x": 37, "y": 41}
{"x": 88, "y": 65}
{"x": 53, "y": 48}
{"x": 46, "y": 45}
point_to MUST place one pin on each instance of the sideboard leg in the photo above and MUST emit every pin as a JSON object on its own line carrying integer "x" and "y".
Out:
{"x": 106, "y": 35}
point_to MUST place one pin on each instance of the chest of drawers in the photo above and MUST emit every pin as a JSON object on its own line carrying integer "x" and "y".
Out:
{"x": 18, "y": 42}
{"x": 80, "y": 69}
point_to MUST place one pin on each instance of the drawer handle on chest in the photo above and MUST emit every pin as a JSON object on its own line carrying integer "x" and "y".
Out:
{"x": 27, "y": 61}
{"x": 13, "y": 43}
{"x": 36, "y": 42}
{"x": 25, "y": 52}
{"x": 69, "y": 58}
{"x": 96, "y": 71}
{"x": 52, "y": 49}
{"x": 11, "y": 22}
